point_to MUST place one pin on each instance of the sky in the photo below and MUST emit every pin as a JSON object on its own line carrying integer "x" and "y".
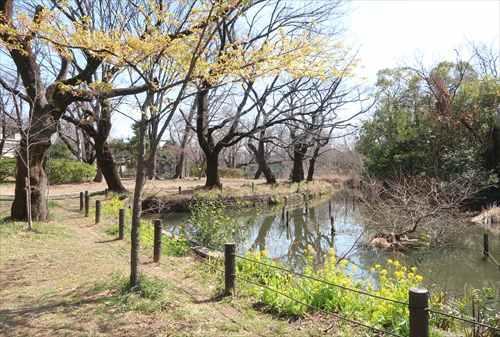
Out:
{"x": 395, "y": 32}
{"x": 391, "y": 33}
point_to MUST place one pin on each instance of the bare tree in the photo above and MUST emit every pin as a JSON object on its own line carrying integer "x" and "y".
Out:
{"x": 406, "y": 209}
{"x": 225, "y": 111}
{"x": 49, "y": 102}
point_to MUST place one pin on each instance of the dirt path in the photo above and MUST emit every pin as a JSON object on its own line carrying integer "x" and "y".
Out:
{"x": 48, "y": 288}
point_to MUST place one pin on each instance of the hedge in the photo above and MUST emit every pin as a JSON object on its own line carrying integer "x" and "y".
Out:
{"x": 7, "y": 168}
{"x": 59, "y": 171}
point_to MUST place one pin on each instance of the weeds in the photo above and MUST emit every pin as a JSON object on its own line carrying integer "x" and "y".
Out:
{"x": 210, "y": 226}
{"x": 393, "y": 282}
{"x": 171, "y": 246}
{"x": 149, "y": 298}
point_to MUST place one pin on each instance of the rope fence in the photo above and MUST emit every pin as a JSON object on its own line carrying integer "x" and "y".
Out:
{"x": 417, "y": 304}
{"x": 358, "y": 291}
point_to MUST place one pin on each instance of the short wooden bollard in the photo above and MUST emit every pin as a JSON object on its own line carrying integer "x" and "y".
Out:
{"x": 419, "y": 312}
{"x": 157, "y": 241}
{"x": 87, "y": 203}
{"x": 283, "y": 213}
{"x": 229, "y": 268}
{"x": 253, "y": 187}
{"x": 121, "y": 224}
{"x": 486, "y": 246}
{"x": 330, "y": 208}
{"x": 332, "y": 224}
{"x": 81, "y": 201}
{"x": 97, "y": 211}
{"x": 285, "y": 200}
{"x": 180, "y": 189}
{"x": 287, "y": 219}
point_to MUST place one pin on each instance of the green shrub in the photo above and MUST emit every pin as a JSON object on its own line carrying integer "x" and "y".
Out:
{"x": 60, "y": 151}
{"x": 7, "y": 168}
{"x": 211, "y": 227}
{"x": 60, "y": 171}
{"x": 227, "y": 172}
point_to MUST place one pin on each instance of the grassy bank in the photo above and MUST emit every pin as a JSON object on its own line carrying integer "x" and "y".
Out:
{"x": 67, "y": 278}
{"x": 240, "y": 193}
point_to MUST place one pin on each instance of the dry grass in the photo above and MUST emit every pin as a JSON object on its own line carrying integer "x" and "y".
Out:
{"x": 236, "y": 187}
{"x": 48, "y": 288}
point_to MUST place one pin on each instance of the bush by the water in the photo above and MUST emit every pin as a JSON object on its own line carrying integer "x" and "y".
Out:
{"x": 60, "y": 171}
{"x": 7, "y": 168}
{"x": 211, "y": 226}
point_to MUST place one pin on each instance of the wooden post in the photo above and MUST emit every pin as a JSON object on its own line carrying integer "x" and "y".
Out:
{"x": 87, "y": 203}
{"x": 121, "y": 224}
{"x": 157, "y": 241}
{"x": 287, "y": 219}
{"x": 180, "y": 189}
{"x": 330, "y": 208}
{"x": 486, "y": 246}
{"x": 229, "y": 268}
{"x": 332, "y": 224}
{"x": 419, "y": 314}
{"x": 285, "y": 200}
{"x": 97, "y": 211}
{"x": 283, "y": 214}
{"x": 253, "y": 187}
{"x": 81, "y": 201}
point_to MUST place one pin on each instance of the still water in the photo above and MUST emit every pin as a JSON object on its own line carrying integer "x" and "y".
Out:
{"x": 452, "y": 268}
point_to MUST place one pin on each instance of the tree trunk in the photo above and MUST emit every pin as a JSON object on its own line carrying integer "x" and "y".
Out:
{"x": 213, "y": 179}
{"x": 297, "y": 174}
{"x": 179, "y": 167}
{"x": 38, "y": 183}
{"x": 140, "y": 179}
{"x": 312, "y": 164}
{"x": 151, "y": 164}
{"x": 98, "y": 175}
{"x": 206, "y": 140}
{"x": 260, "y": 158}
{"x": 107, "y": 166}
{"x": 257, "y": 173}
{"x": 4, "y": 134}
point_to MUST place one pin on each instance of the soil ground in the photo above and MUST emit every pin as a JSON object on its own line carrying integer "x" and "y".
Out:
{"x": 49, "y": 286}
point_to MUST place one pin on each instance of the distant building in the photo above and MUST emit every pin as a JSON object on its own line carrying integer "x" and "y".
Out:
{"x": 10, "y": 145}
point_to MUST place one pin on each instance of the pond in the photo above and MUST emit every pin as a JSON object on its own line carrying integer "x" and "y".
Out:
{"x": 451, "y": 268}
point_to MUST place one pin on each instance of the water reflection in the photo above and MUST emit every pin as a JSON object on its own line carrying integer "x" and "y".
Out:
{"x": 452, "y": 268}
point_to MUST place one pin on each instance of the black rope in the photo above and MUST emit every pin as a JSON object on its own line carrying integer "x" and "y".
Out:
{"x": 361, "y": 292}
{"x": 351, "y": 321}
{"x": 463, "y": 319}
{"x": 493, "y": 260}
